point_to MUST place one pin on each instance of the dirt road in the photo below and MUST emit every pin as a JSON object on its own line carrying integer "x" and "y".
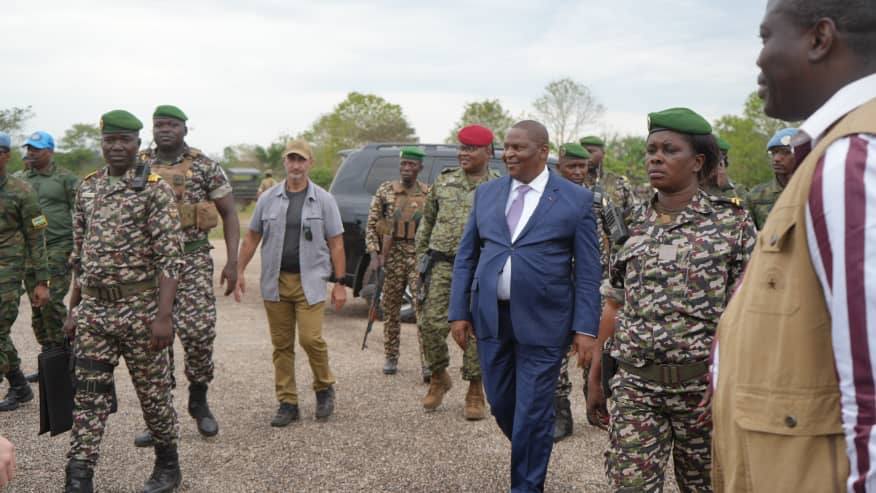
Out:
{"x": 378, "y": 440}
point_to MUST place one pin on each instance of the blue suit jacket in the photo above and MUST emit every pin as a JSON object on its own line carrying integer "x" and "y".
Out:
{"x": 548, "y": 301}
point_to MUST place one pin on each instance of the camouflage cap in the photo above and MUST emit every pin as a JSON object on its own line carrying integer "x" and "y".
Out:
{"x": 682, "y": 120}
{"x": 169, "y": 111}
{"x": 412, "y": 153}
{"x": 592, "y": 140}
{"x": 573, "y": 151}
{"x": 119, "y": 121}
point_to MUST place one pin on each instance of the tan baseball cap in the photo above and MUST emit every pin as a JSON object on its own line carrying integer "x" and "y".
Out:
{"x": 300, "y": 147}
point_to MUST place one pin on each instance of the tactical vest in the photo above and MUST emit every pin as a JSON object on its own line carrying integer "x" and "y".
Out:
{"x": 408, "y": 210}
{"x": 202, "y": 215}
{"x": 776, "y": 408}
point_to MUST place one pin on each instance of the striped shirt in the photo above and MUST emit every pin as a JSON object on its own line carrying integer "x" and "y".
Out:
{"x": 841, "y": 232}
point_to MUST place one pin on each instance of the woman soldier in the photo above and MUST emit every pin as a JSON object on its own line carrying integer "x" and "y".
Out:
{"x": 667, "y": 287}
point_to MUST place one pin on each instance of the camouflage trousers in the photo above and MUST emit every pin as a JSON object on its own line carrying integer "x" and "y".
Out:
{"x": 400, "y": 271}
{"x": 10, "y": 295}
{"x": 648, "y": 422}
{"x": 434, "y": 327}
{"x": 48, "y": 321}
{"x": 194, "y": 316}
{"x": 564, "y": 383}
{"x": 105, "y": 331}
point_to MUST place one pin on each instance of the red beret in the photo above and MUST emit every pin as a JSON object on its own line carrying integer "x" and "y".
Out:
{"x": 475, "y": 135}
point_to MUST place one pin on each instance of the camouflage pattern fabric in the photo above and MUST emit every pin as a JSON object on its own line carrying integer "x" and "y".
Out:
{"x": 447, "y": 208}
{"x": 733, "y": 193}
{"x": 48, "y": 321}
{"x": 648, "y": 422}
{"x": 400, "y": 271}
{"x": 432, "y": 319}
{"x": 194, "y": 316}
{"x": 122, "y": 236}
{"x": 674, "y": 276}
{"x": 382, "y": 213}
{"x": 617, "y": 188}
{"x": 22, "y": 240}
{"x": 206, "y": 183}
{"x": 105, "y": 331}
{"x": 761, "y": 199}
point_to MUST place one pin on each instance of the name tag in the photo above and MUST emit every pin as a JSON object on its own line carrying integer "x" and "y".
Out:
{"x": 667, "y": 253}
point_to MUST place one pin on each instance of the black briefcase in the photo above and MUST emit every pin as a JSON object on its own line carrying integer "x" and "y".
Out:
{"x": 56, "y": 390}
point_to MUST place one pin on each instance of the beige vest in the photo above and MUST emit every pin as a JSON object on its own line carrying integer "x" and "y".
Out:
{"x": 776, "y": 407}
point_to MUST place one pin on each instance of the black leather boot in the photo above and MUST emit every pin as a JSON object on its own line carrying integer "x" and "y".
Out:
{"x": 79, "y": 477}
{"x": 19, "y": 391}
{"x": 198, "y": 409}
{"x": 166, "y": 475}
{"x": 563, "y": 421}
{"x": 32, "y": 377}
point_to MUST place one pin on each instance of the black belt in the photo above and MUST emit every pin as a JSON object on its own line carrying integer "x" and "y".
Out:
{"x": 442, "y": 257}
{"x": 116, "y": 292}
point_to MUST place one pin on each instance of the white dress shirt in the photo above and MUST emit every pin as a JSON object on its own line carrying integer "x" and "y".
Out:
{"x": 530, "y": 201}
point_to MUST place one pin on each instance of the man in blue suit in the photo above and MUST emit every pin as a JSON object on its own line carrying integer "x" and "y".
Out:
{"x": 526, "y": 277}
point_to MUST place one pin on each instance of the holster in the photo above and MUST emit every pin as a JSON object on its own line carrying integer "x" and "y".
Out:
{"x": 609, "y": 368}
{"x": 424, "y": 268}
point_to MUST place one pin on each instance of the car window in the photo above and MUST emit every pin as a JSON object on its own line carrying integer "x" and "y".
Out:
{"x": 384, "y": 169}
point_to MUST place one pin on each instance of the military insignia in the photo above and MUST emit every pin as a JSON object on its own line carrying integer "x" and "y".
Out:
{"x": 39, "y": 222}
{"x": 153, "y": 178}
{"x": 786, "y": 140}
{"x": 736, "y": 201}
{"x": 35, "y": 136}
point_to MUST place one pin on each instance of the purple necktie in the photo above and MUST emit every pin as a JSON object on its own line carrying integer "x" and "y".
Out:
{"x": 516, "y": 209}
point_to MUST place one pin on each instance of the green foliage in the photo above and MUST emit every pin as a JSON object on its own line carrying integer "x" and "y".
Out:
{"x": 748, "y": 135}
{"x": 12, "y": 120}
{"x": 565, "y": 108}
{"x": 488, "y": 113}
{"x": 359, "y": 119}
{"x": 80, "y": 136}
{"x": 625, "y": 156}
{"x": 322, "y": 175}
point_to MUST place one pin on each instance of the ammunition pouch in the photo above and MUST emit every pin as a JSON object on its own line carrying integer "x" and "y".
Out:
{"x": 202, "y": 215}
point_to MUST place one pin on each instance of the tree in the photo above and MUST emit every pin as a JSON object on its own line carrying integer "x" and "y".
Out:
{"x": 488, "y": 113}
{"x": 359, "y": 119}
{"x": 748, "y": 135}
{"x": 565, "y": 108}
{"x": 80, "y": 136}
{"x": 625, "y": 156}
{"x": 12, "y": 120}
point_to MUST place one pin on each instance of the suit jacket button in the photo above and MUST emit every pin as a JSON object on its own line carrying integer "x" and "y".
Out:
{"x": 790, "y": 421}
{"x": 774, "y": 239}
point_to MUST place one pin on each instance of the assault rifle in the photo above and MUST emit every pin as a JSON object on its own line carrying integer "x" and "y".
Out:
{"x": 373, "y": 310}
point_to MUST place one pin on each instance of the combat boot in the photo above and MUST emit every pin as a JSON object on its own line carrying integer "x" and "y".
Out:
{"x": 19, "y": 391}
{"x": 325, "y": 402}
{"x": 427, "y": 374}
{"x": 390, "y": 366}
{"x": 198, "y": 409}
{"x": 563, "y": 420}
{"x": 32, "y": 377}
{"x": 438, "y": 386}
{"x": 166, "y": 475}
{"x": 144, "y": 440}
{"x": 79, "y": 477}
{"x": 475, "y": 407}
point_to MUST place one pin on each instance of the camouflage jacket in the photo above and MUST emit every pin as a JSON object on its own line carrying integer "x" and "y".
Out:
{"x": 122, "y": 236}
{"x": 383, "y": 211}
{"x": 760, "y": 200}
{"x": 732, "y": 192}
{"x": 447, "y": 209}
{"x": 617, "y": 190}
{"x": 22, "y": 232}
{"x": 56, "y": 189}
{"x": 674, "y": 276}
{"x": 207, "y": 182}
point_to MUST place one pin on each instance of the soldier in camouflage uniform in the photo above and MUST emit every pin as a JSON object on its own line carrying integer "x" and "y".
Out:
{"x": 719, "y": 184}
{"x": 126, "y": 261}
{"x": 201, "y": 188}
{"x": 762, "y": 197}
{"x": 392, "y": 223}
{"x": 56, "y": 189}
{"x": 266, "y": 183}
{"x": 447, "y": 209}
{"x": 22, "y": 239}
{"x": 617, "y": 188}
{"x": 672, "y": 279}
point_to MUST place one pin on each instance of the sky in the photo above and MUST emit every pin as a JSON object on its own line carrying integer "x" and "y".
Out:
{"x": 251, "y": 71}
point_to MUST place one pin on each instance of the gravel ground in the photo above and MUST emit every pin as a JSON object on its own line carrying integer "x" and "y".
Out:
{"x": 379, "y": 438}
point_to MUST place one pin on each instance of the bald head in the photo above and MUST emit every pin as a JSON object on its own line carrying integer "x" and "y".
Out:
{"x": 535, "y": 130}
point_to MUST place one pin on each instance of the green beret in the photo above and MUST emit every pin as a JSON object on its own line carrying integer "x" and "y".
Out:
{"x": 412, "y": 153}
{"x": 119, "y": 121}
{"x": 573, "y": 151}
{"x": 592, "y": 140}
{"x": 723, "y": 144}
{"x": 682, "y": 120}
{"x": 169, "y": 111}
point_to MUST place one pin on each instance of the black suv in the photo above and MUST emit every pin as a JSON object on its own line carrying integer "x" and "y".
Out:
{"x": 358, "y": 177}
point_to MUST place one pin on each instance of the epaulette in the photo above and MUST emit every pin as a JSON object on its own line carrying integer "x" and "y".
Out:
{"x": 153, "y": 178}
{"x": 451, "y": 169}
{"x": 734, "y": 201}
{"x": 89, "y": 175}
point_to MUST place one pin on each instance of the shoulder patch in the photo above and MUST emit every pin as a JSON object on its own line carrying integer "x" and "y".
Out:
{"x": 39, "y": 222}
{"x": 153, "y": 178}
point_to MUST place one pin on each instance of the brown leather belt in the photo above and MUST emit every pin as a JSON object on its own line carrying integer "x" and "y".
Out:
{"x": 668, "y": 374}
{"x": 119, "y": 291}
